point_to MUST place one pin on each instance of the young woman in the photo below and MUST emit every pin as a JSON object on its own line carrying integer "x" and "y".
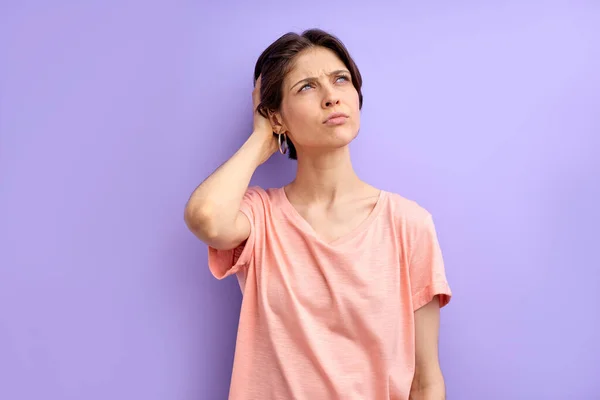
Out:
{"x": 342, "y": 282}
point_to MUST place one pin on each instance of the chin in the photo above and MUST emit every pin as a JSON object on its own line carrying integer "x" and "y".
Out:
{"x": 343, "y": 136}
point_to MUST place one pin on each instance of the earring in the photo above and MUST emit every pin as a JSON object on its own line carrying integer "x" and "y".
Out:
{"x": 283, "y": 147}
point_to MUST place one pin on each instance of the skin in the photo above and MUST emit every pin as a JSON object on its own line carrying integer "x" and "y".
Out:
{"x": 428, "y": 382}
{"x": 326, "y": 191}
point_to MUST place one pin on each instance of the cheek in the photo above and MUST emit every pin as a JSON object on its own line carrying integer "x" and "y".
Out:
{"x": 355, "y": 101}
{"x": 353, "y": 104}
{"x": 299, "y": 116}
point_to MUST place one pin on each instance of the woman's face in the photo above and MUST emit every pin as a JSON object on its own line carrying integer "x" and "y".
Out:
{"x": 318, "y": 86}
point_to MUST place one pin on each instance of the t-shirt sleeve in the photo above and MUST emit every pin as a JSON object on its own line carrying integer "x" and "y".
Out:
{"x": 223, "y": 263}
{"x": 426, "y": 266}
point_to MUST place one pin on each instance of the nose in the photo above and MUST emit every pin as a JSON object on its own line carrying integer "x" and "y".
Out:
{"x": 331, "y": 99}
{"x": 331, "y": 103}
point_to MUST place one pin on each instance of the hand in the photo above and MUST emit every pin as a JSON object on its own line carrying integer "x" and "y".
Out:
{"x": 263, "y": 130}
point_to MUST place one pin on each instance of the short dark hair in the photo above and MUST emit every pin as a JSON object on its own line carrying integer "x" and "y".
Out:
{"x": 277, "y": 60}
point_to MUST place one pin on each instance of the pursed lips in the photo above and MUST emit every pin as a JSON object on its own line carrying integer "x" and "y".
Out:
{"x": 335, "y": 115}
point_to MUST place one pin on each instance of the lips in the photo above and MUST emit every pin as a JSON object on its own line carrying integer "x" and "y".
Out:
{"x": 336, "y": 117}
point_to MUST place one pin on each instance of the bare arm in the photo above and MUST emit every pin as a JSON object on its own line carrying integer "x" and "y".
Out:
{"x": 212, "y": 212}
{"x": 428, "y": 382}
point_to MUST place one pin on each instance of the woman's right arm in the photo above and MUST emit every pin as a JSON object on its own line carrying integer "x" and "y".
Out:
{"x": 212, "y": 212}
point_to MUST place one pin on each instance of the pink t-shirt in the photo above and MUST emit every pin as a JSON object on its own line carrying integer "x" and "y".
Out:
{"x": 330, "y": 320}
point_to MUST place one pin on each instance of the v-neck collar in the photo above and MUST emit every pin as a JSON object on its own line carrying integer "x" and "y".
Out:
{"x": 303, "y": 224}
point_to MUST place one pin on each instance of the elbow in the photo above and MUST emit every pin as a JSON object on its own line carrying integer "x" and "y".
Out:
{"x": 199, "y": 220}
{"x": 432, "y": 387}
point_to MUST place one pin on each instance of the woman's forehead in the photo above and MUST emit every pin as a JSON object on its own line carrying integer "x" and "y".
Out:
{"x": 314, "y": 63}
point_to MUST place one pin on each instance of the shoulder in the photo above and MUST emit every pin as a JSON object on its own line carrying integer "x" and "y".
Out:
{"x": 413, "y": 224}
{"x": 258, "y": 196}
{"x": 406, "y": 211}
{"x": 261, "y": 192}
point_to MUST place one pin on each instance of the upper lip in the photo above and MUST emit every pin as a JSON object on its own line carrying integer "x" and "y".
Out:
{"x": 335, "y": 115}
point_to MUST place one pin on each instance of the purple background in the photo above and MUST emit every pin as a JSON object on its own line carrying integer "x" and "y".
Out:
{"x": 111, "y": 114}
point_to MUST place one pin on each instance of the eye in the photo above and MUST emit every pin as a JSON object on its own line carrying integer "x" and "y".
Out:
{"x": 344, "y": 77}
{"x": 308, "y": 85}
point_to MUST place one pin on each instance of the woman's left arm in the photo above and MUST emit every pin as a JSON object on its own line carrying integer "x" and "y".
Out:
{"x": 428, "y": 381}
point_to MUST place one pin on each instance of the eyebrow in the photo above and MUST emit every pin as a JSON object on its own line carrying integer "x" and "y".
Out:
{"x": 311, "y": 79}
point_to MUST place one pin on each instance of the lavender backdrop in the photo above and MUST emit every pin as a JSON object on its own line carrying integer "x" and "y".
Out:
{"x": 112, "y": 112}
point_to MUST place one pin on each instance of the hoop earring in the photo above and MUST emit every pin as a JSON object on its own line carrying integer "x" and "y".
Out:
{"x": 283, "y": 147}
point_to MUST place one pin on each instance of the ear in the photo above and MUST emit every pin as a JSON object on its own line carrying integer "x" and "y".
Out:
{"x": 277, "y": 122}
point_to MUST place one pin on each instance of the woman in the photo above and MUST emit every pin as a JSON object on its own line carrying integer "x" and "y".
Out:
{"x": 342, "y": 282}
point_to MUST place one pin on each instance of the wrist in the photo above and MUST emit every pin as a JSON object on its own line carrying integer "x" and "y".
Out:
{"x": 253, "y": 149}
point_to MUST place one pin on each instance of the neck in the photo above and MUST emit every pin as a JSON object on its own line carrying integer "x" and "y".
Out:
{"x": 324, "y": 177}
